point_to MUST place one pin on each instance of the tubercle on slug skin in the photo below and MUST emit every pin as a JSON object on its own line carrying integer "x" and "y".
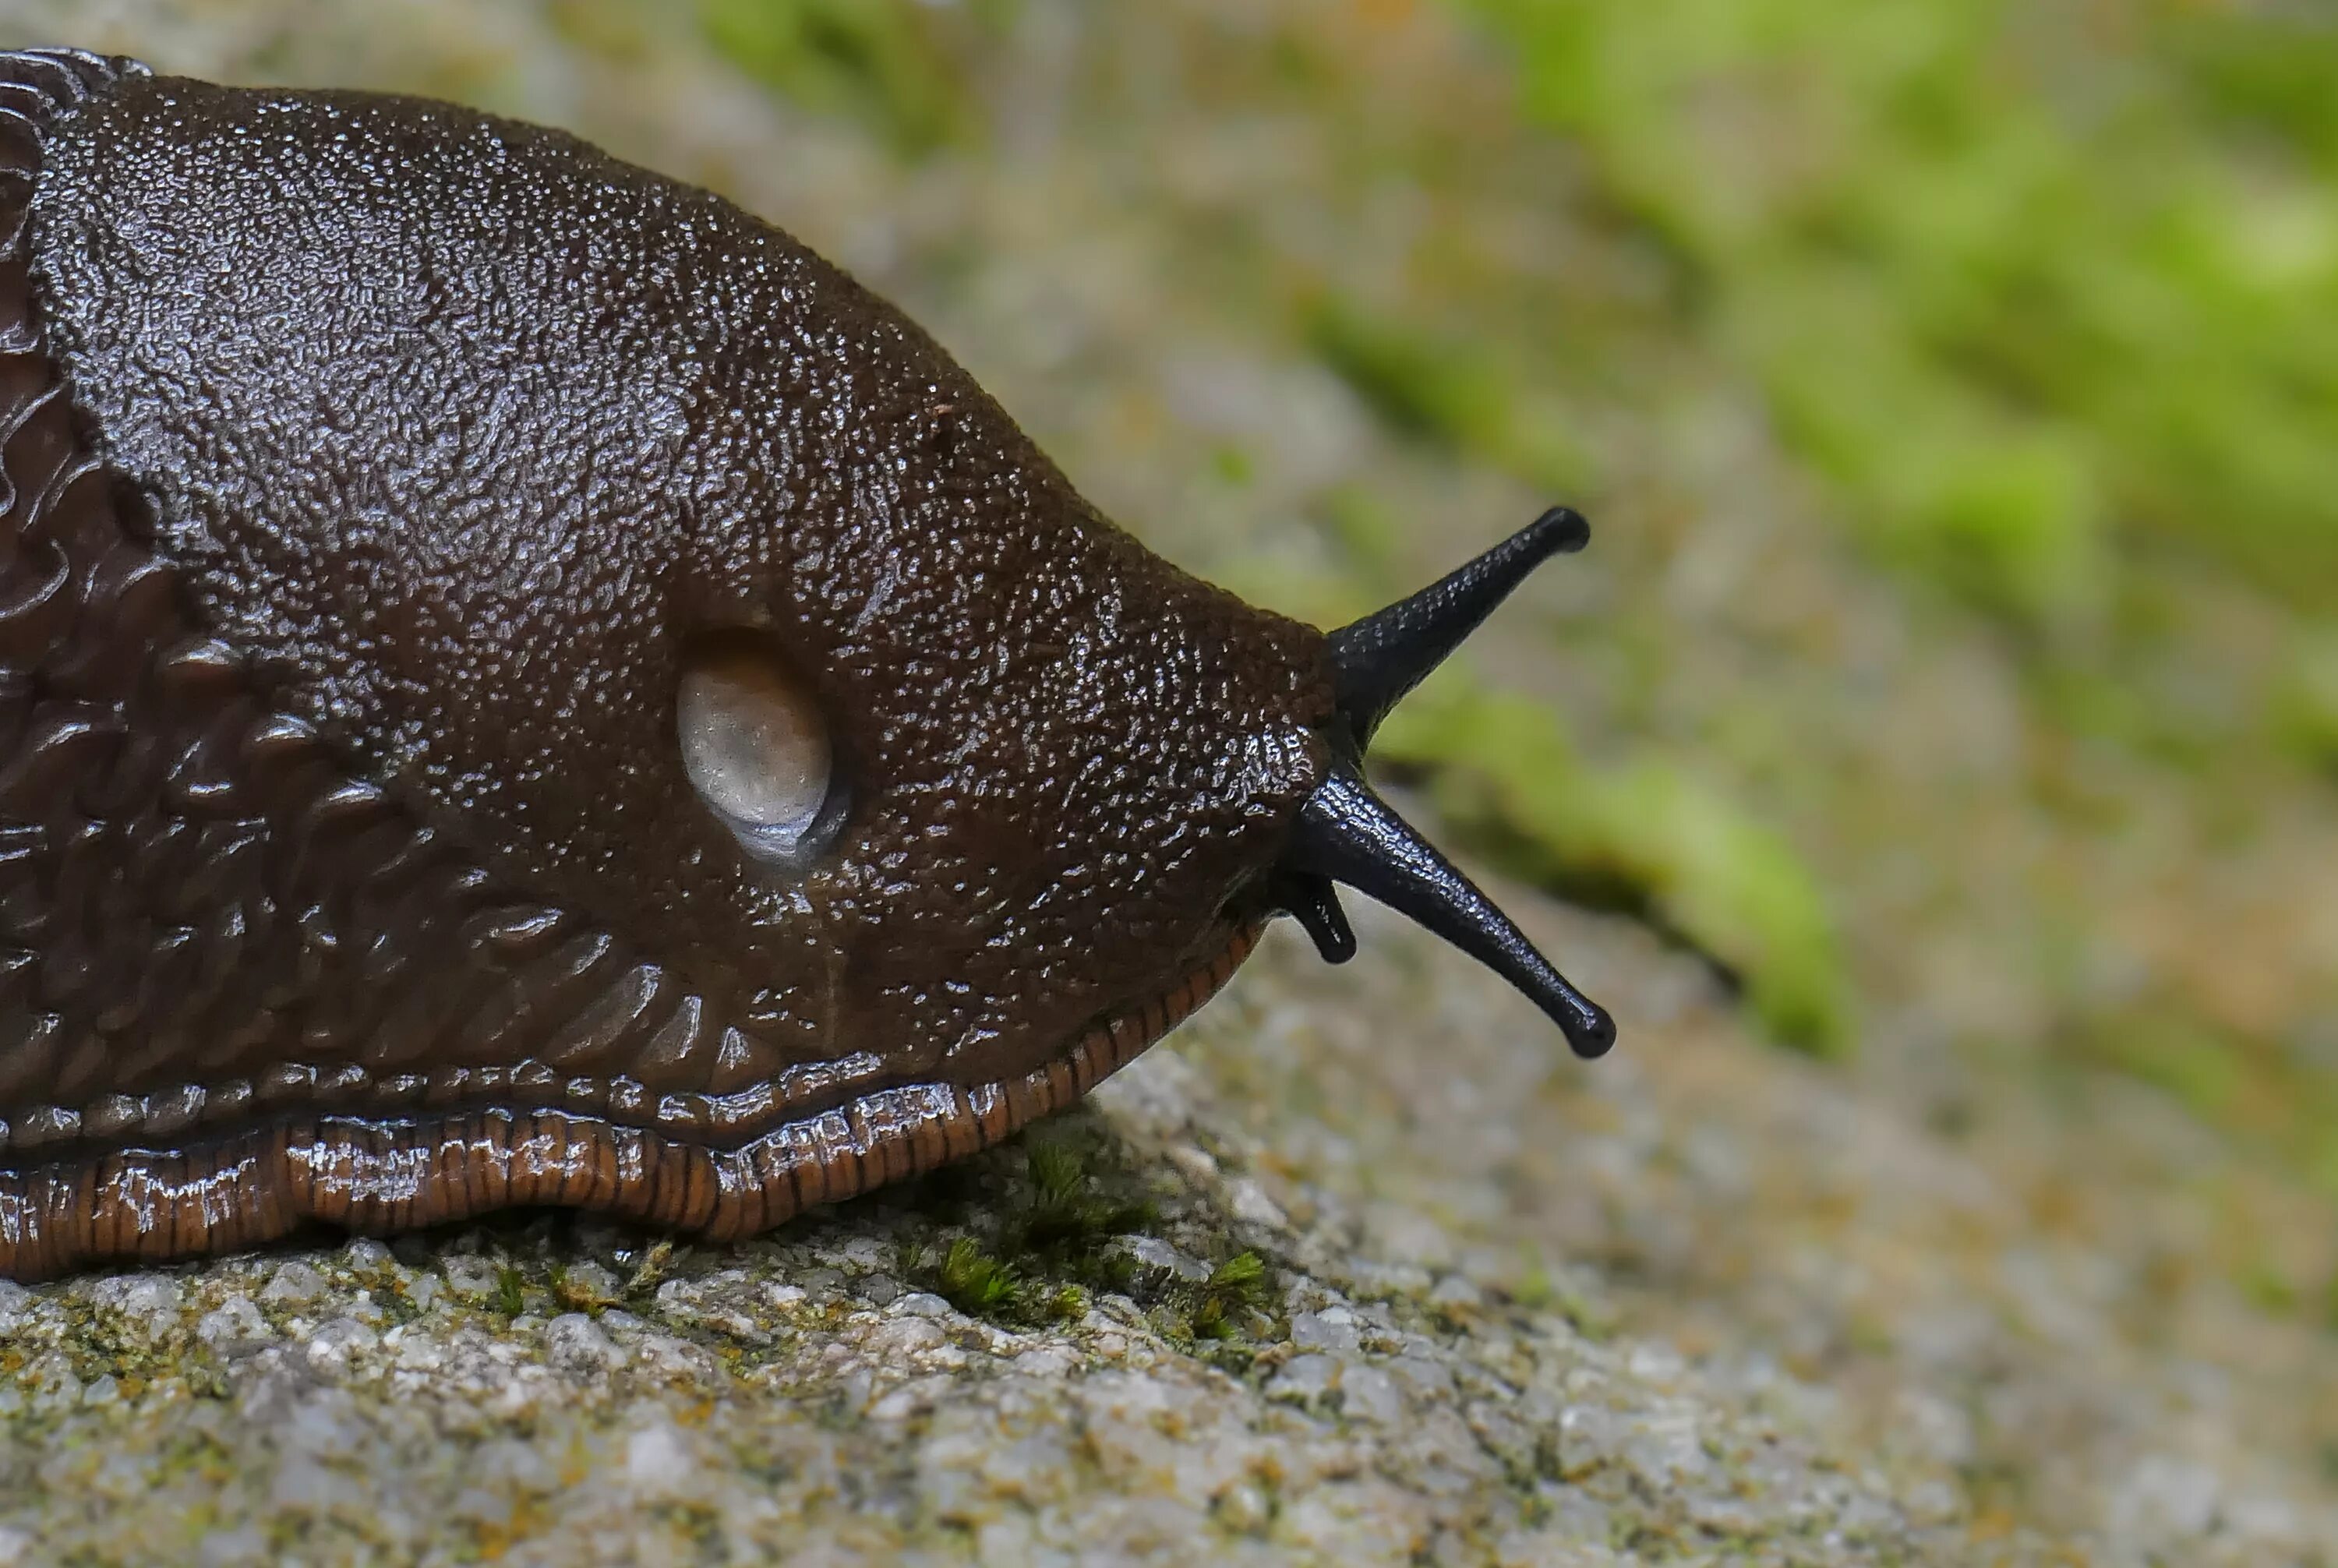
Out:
{"x": 370, "y": 465}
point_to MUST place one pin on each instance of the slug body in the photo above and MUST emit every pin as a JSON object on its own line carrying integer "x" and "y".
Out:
{"x": 521, "y": 684}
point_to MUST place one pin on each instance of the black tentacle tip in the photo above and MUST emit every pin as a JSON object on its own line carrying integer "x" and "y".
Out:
{"x": 1379, "y": 659}
{"x": 1564, "y": 529}
{"x": 1591, "y": 1032}
{"x": 1345, "y": 833}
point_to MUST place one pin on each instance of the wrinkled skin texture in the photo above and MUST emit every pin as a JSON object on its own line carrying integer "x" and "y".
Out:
{"x": 460, "y": 431}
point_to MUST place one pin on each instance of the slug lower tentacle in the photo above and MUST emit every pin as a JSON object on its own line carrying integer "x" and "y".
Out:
{"x": 521, "y": 684}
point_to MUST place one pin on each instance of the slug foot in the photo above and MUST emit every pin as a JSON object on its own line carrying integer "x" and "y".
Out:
{"x": 377, "y": 1176}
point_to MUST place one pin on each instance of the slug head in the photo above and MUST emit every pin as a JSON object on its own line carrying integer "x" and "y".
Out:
{"x": 1345, "y": 833}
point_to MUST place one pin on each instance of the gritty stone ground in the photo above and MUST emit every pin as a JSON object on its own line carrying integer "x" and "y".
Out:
{"x": 1358, "y": 1267}
{"x": 362, "y": 1406}
{"x": 555, "y": 1391}
{"x": 1414, "y": 1380}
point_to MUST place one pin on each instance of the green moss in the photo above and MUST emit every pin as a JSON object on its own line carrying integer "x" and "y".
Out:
{"x": 1998, "y": 312}
{"x": 1453, "y": 389}
{"x": 1233, "y": 467}
{"x": 1070, "y": 1204}
{"x": 887, "y": 62}
{"x": 1237, "y": 1285}
{"x": 2274, "y": 1100}
{"x": 1424, "y": 386}
{"x": 976, "y": 1283}
{"x": 2000, "y": 512}
{"x": 572, "y": 1294}
{"x": 1646, "y": 836}
{"x": 2305, "y": 699}
{"x": 2269, "y": 1289}
{"x": 1372, "y": 533}
{"x": 2198, "y": 1067}
{"x": 657, "y": 1259}
{"x": 1054, "y": 1239}
{"x": 1045, "y": 1245}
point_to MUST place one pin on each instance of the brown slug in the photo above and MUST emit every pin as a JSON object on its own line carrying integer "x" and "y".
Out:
{"x": 520, "y": 684}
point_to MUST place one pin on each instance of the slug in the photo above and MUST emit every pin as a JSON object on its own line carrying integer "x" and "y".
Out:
{"x": 520, "y": 684}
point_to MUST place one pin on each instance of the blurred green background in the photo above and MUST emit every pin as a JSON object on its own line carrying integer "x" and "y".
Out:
{"x": 1952, "y": 384}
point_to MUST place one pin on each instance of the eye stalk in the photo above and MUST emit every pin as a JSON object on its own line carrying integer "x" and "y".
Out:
{"x": 1309, "y": 897}
{"x": 1378, "y": 660}
{"x": 1345, "y": 833}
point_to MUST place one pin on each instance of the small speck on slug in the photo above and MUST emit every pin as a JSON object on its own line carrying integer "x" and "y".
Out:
{"x": 398, "y": 820}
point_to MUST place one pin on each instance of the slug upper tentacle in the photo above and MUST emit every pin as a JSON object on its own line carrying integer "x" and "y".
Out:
{"x": 521, "y": 684}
